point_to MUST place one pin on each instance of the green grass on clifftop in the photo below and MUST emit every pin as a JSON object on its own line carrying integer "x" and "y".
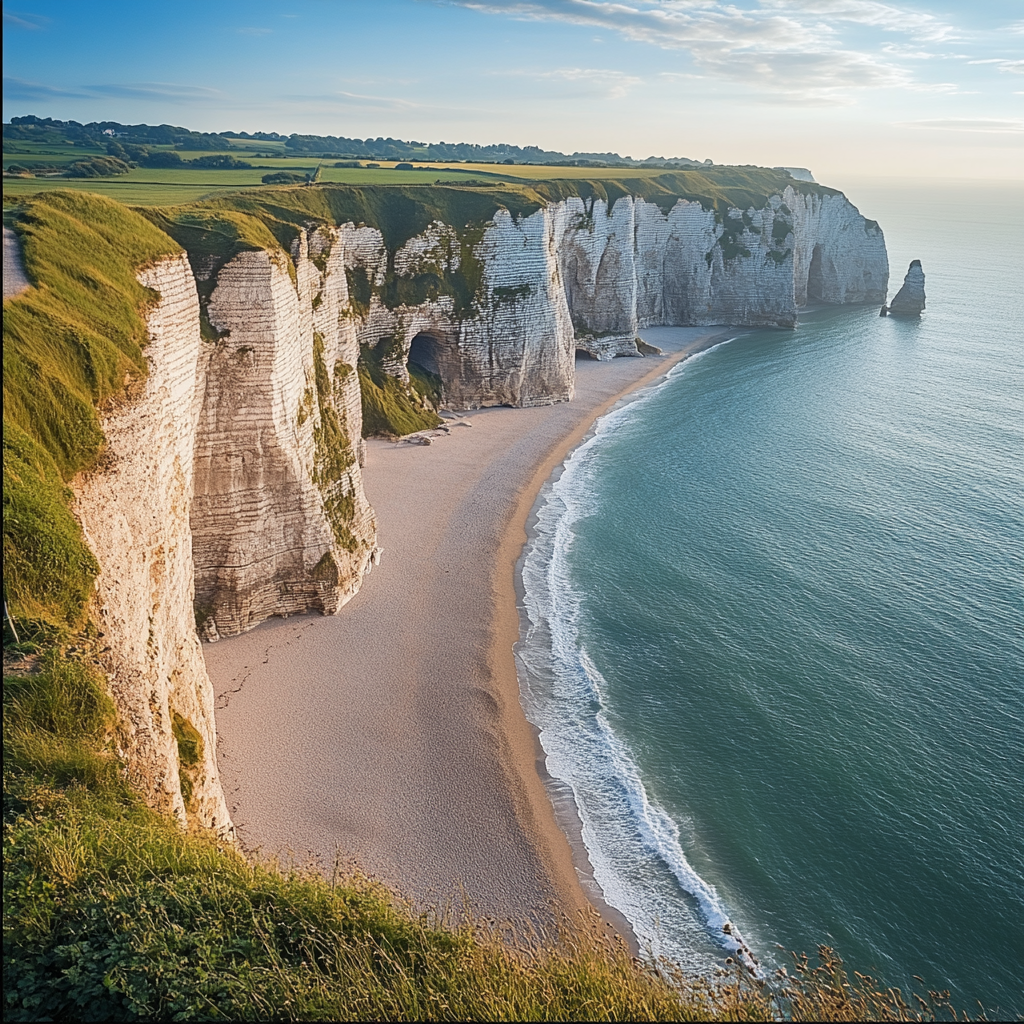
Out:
{"x": 71, "y": 344}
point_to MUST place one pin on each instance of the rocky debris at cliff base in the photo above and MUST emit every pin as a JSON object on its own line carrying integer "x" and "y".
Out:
{"x": 909, "y": 300}
{"x": 647, "y": 350}
{"x": 426, "y": 437}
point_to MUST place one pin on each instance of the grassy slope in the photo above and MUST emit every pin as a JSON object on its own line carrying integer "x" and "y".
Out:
{"x": 70, "y": 344}
{"x": 112, "y": 913}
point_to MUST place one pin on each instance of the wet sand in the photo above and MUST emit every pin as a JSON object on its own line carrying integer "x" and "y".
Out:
{"x": 392, "y": 736}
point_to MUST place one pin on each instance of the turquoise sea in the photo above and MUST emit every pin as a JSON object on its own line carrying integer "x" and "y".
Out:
{"x": 775, "y": 627}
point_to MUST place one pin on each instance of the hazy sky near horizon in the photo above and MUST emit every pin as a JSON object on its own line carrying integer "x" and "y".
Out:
{"x": 846, "y": 87}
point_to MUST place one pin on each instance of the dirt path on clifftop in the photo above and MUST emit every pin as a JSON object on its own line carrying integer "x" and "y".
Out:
{"x": 392, "y": 734}
{"x": 15, "y": 281}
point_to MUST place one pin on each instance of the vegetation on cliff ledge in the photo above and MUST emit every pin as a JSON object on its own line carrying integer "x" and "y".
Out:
{"x": 390, "y": 409}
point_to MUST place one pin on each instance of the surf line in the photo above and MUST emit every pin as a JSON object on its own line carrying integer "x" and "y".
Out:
{"x": 563, "y": 697}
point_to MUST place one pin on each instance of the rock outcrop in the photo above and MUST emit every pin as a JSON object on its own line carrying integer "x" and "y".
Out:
{"x": 799, "y": 173}
{"x": 909, "y": 300}
{"x": 279, "y": 520}
{"x": 15, "y": 281}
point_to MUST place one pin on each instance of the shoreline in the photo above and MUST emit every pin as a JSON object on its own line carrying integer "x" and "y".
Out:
{"x": 518, "y": 536}
{"x": 393, "y": 735}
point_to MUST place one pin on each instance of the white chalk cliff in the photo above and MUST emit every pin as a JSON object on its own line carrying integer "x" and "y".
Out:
{"x": 231, "y": 489}
{"x": 577, "y": 275}
{"x": 134, "y": 509}
{"x": 279, "y": 519}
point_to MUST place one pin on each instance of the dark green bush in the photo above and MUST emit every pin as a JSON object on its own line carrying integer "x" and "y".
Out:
{"x": 97, "y": 167}
{"x": 283, "y": 178}
{"x": 162, "y": 158}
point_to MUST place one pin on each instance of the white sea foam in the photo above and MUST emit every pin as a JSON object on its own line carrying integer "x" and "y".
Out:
{"x": 632, "y": 843}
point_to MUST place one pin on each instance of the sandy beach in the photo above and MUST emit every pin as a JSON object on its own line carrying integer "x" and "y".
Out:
{"x": 392, "y": 736}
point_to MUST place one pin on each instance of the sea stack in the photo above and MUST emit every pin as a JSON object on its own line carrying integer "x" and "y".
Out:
{"x": 909, "y": 300}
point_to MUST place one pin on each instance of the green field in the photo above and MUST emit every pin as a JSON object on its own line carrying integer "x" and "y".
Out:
{"x": 162, "y": 186}
{"x": 170, "y": 186}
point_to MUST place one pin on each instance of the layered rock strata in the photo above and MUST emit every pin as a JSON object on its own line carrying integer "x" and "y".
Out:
{"x": 279, "y": 520}
{"x": 229, "y": 491}
{"x": 583, "y": 275}
{"x": 134, "y": 509}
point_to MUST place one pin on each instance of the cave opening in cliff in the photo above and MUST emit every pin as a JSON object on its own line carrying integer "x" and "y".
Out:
{"x": 582, "y": 353}
{"x": 423, "y": 352}
{"x": 424, "y": 365}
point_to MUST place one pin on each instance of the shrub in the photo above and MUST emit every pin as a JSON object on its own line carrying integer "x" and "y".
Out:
{"x": 220, "y": 162}
{"x": 283, "y": 178}
{"x": 97, "y": 167}
{"x": 162, "y": 158}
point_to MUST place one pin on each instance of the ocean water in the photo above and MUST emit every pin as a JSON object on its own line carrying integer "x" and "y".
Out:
{"x": 775, "y": 627}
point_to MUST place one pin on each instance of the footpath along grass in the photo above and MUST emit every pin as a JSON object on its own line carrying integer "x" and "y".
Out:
{"x": 111, "y": 911}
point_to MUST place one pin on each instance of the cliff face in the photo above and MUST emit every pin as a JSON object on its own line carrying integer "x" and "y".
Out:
{"x": 231, "y": 489}
{"x": 580, "y": 275}
{"x": 134, "y": 510}
{"x": 280, "y": 523}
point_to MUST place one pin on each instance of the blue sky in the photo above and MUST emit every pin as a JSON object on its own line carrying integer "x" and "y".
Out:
{"x": 846, "y": 87}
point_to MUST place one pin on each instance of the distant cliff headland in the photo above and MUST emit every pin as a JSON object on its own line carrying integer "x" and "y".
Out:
{"x": 186, "y": 390}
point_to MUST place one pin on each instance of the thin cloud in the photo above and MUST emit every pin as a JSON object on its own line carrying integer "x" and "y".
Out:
{"x": 1015, "y": 67}
{"x": 357, "y": 100}
{"x": 594, "y": 81}
{"x": 768, "y": 48}
{"x": 151, "y": 90}
{"x": 17, "y": 88}
{"x": 966, "y": 124}
{"x": 869, "y": 12}
{"x": 31, "y": 22}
